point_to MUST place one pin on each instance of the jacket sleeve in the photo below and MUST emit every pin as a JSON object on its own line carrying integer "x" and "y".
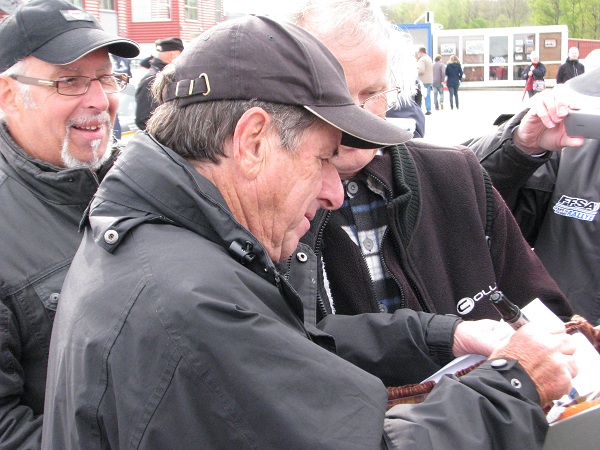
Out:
{"x": 487, "y": 408}
{"x": 525, "y": 182}
{"x": 382, "y": 343}
{"x": 19, "y": 427}
{"x": 507, "y": 165}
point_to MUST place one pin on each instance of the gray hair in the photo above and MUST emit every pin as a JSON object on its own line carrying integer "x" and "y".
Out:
{"x": 199, "y": 131}
{"x": 18, "y": 68}
{"x": 350, "y": 23}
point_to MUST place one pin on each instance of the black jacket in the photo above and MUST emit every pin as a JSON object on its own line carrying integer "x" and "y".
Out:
{"x": 145, "y": 102}
{"x": 176, "y": 330}
{"x": 569, "y": 70}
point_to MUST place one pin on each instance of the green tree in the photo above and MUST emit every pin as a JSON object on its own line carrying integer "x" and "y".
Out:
{"x": 581, "y": 16}
{"x": 546, "y": 12}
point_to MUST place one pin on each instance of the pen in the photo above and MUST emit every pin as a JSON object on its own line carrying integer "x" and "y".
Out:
{"x": 510, "y": 312}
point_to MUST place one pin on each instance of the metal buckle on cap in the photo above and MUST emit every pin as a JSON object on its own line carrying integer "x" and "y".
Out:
{"x": 181, "y": 86}
{"x": 203, "y": 75}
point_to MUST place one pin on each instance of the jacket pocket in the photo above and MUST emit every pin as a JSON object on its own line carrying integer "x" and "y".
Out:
{"x": 48, "y": 288}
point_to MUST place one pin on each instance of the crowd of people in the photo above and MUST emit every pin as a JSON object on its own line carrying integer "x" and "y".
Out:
{"x": 260, "y": 263}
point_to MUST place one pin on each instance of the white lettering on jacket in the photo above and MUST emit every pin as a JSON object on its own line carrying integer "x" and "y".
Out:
{"x": 467, "y": 304}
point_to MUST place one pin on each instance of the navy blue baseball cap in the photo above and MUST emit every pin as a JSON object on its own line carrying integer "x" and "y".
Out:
{"x": 57, "y": 32}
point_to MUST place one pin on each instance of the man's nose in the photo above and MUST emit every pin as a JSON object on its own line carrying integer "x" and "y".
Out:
{"x": 332, "y": 191}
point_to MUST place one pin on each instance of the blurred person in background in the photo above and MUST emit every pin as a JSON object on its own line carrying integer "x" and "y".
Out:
{"x": 425, "y": 71}
{"x": 534, "y": 75}
{"x": 167, "y": 50}
{"x": 439, "y": 76}
{"x": 571, "y": 68}
{"x": 454, "y": 75}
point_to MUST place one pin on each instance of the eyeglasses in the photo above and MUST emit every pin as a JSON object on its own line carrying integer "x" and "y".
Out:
{"x": 78, "y": 85}
{"x": 381, "y": 103}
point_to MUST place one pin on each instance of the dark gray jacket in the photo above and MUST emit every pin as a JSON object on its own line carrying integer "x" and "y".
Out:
{"x": 175, "y": 330}
{"x": 41, "y": 207}
{"x": 555, "y": 199}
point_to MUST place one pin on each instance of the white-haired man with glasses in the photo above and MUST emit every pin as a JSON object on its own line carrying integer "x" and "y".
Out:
{"x": 421, "y": 226}
{"x": 58, "y": 101}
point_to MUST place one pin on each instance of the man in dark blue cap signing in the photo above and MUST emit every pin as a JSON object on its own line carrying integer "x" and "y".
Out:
{"x": 167, "y": 50}
{"x": 58, "y": 100}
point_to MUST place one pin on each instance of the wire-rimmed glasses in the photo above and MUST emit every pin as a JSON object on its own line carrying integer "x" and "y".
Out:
{"x": 78, "y": 85}
{"x": 381, "y": 103}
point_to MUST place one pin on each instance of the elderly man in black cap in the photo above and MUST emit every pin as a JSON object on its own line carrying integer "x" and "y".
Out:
{"x": 58, "y": 100}
{"x": 176, "y": 329}
{"x": 167, "y": 50}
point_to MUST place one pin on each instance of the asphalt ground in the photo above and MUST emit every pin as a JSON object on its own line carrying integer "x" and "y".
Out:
{"x": 478, "y": 111}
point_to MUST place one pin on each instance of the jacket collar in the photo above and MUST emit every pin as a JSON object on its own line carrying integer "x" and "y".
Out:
{"x": 55, "y": 184}
{"x": 151, "y": 183}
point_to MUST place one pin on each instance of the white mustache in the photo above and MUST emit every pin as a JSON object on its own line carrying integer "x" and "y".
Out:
{"x": 102, "y": 118}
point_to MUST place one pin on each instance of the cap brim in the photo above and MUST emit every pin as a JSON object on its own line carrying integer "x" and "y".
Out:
{"x": 74, "y": 44}
{"x": 361, "y": 128}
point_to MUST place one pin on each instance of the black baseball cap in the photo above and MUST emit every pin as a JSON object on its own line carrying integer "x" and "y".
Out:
{"x": 56, "y": 32}
{"x": 255, "y": 57}
{"x": 169, "y": 44}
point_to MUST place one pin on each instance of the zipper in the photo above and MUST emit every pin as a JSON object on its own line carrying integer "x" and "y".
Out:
{"x": 318, "y": 253}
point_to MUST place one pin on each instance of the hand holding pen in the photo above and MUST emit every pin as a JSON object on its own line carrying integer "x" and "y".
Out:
{"x": 510, "y": 312}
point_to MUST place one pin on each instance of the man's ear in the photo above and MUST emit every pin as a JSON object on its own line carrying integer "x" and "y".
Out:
{"x": 251, "y": 142}
{"x": 8, "y": 96}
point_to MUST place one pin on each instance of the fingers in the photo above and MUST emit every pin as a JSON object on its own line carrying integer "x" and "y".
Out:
{"x": 551, "y": 107}
{"x": 547, "y": 358}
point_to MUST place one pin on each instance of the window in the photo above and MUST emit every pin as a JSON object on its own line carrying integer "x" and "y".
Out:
{"x": 447, "y": 46}
{"x": 107, "y": 5}
{"x": 77, "y": 3}
{"x": 150, "y": 10}
{"x": 498, "y": 58}
{"x": 191, "y": 9}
